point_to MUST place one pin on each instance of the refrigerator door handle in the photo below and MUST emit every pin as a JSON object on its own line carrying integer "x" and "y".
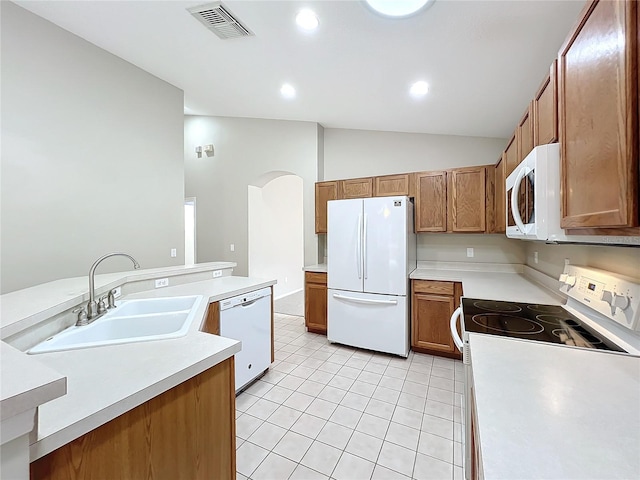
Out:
{"x": 365, "y": 300}
{"x": 364, "y": 248}
{"x": 359, "y": 247}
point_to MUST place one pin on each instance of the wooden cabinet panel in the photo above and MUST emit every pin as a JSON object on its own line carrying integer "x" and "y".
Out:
{"x": 430, "y": 317}
{"x": 431, "y": 202}
{"x": 598, "y": 118}
{"x": 325, "y": 191}
{"x": 490, "y": 199}
{"x": 511, "y": 155}
{"x": 525, "y": 135}
{"x": 185, "y": 432}
{"x": 356, "y": 188}
{"x": 315, "y": 302}
{"x": 500, "y": 199}
{"x": 212, "y": 322}
{"x": 466, "y": 194}
{"x": 391, "y": 185}
{"x": 545, "y": 109}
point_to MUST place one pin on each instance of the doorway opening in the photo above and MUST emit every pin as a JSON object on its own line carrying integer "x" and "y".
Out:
{"x": 190, "y": 231}
{"x": 276, "y": 231}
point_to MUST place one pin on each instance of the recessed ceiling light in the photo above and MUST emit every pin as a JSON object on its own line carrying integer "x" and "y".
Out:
{"x": 398, "y": 8}
{"x": 419, "y": 89}
{"x": 287, "y": 91}
{"x": 307, "y": 20}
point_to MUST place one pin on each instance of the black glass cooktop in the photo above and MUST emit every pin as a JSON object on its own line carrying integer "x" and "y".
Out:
{"x": 544, "y": 323}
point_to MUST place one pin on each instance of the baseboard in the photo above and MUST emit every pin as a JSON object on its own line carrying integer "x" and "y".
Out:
{"x": 279, "y": 297}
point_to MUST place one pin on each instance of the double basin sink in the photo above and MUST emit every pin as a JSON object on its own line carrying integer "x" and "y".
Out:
{"x": 133, "y": 321}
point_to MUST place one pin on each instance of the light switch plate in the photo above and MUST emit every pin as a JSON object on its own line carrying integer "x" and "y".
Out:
{"x": 470, "y": 252}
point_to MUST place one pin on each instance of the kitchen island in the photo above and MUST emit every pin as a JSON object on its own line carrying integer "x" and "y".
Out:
{"x": 105, "y": 384}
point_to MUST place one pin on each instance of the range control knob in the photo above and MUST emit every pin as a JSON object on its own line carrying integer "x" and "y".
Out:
{"x": 563, "y": 278}
{"x": 607, "y": 296}
{"x": 571, "y": 280}
{"x": 621, "y": 301}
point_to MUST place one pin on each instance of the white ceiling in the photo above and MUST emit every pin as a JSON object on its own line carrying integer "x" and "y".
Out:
{"x": 482, "y": 59}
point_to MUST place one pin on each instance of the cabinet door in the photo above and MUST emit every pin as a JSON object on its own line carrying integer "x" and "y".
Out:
{"x": 431, "y": 202}
{"x": 525, "y": 135}
{"x": 430, "y": 328}
{"x": 356, "y": 188}
{"x": 391, "y": 185}
{"x": 511, "y": 155}
{"x": 545, "y": 110}
{"x": 598, "y": 103}
{"x": 315, "y": 302}
{"x": 466, "y": 194}
{"x": 500, "y": 199}
{"x": 325, "y": 191}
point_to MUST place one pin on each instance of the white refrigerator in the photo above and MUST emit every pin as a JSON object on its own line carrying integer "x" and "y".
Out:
{"x": 371, "y": 250}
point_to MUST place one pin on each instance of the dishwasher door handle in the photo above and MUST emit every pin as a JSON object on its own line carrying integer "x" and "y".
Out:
{"x": 249, "y": 303}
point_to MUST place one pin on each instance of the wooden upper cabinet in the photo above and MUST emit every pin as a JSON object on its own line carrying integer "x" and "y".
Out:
{"x": 431, "y": 202}
{"x": 598, "y": 118}
{"x": 466, "y": 194}
{"x": 545, "y": 109}
{"x": 392, "y": 185}
{"x": 525, "y": 135}
{"x": 356, "y": 188}
{"x": 511, "y": 155}
{"x": 325, "y": 191}
{"x": 500, "y": 200}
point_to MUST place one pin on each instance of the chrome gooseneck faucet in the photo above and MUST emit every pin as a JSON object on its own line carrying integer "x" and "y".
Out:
{"x": 93, "y": 309}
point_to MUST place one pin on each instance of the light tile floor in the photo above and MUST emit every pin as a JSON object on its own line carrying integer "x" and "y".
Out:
{"x": 326, "y": 411}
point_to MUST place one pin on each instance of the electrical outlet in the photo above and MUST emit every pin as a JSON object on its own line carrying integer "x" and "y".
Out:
{"x": 566, "y": 262}
{"x": 174, "y": 253}
{"x": 217, "y": 273}
{"x": 117, "y": 292}
{"x": 535, "y": 257}
{"x": 470, "y": 252}
{"x": 162, "y": 282}
{"x": 232, "y": 247}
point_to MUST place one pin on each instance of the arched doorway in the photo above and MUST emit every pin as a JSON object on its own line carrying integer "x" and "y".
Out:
{"x": 276, "y": 231}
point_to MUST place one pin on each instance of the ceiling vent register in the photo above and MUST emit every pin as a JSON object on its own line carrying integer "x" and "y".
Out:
{"x": 217, "y": 18}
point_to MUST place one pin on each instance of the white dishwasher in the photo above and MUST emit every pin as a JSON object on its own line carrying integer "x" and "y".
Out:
{"x": 247, "y": 318}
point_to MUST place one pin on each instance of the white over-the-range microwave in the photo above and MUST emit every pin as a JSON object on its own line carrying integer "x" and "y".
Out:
{"x": 533, "y": 202}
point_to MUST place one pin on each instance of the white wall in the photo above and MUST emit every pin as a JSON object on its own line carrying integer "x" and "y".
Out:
{"x": 363, "y": 153}
{"x": 276, "y": 233}
{"x": 494, "y": 248}
{"x": 92, "y": 157}
{"x": 622, "y": 260}
{"x": 245, "y": 150}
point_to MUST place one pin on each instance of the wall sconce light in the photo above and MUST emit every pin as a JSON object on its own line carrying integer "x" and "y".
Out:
{"x": 208, "y": 149}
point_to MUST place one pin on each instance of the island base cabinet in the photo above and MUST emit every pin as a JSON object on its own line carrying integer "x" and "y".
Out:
{"x": 186, "y": 432}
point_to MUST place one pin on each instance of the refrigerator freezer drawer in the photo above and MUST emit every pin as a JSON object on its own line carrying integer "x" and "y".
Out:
{"x": 371, "y": 321}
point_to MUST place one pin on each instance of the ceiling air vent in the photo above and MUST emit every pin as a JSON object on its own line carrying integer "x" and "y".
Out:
{"x": 217, "y": 18}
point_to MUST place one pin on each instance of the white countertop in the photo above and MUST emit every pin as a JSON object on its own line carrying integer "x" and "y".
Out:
{"x": 104, "y": 382}
{"x": 491, "y": 281}
{"x": 555, "y": 412}
{"x": 25, "y": 383}
{"x": 319, "y": 268}
{"x": 23, "y": 308}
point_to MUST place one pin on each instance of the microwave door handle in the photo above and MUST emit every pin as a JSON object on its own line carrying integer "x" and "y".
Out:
{"x": 454, "y": 330}
{"x": 515, "y": 191}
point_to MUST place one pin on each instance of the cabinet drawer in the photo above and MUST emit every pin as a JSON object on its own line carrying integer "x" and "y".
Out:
{"x": 315, "y": 277}
{"x": 431, "y": 286}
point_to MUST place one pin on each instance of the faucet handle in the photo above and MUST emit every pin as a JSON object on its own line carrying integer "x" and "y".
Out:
{"x": 102, "y": 307}
{"x": 82, "y": 316}
{"x": 111, "y": 299}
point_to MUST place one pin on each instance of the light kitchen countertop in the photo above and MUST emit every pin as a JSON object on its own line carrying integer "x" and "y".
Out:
{"x": 23, "y": 308}
{"x": 507, "y": 282}
{"x": 104, "y": 382}
{"x": 555, "y": 412}
{"x": 319, "y": 268}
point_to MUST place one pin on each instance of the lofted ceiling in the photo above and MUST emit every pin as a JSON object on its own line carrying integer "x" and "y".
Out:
{"x": 483, "y": 60}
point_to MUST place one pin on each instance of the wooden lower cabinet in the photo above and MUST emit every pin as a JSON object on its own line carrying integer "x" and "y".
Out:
{"x": 315, "y": 302}
{"x": 432, "y": 304}
{"x": 185, "y": 432}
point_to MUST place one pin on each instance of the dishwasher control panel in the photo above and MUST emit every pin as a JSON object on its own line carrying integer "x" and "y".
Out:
{"x": 245, "y": 298}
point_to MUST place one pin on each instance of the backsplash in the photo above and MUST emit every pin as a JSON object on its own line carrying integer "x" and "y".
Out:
{"x": 622, "y": 260}
{"x": 447, "y": 247}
